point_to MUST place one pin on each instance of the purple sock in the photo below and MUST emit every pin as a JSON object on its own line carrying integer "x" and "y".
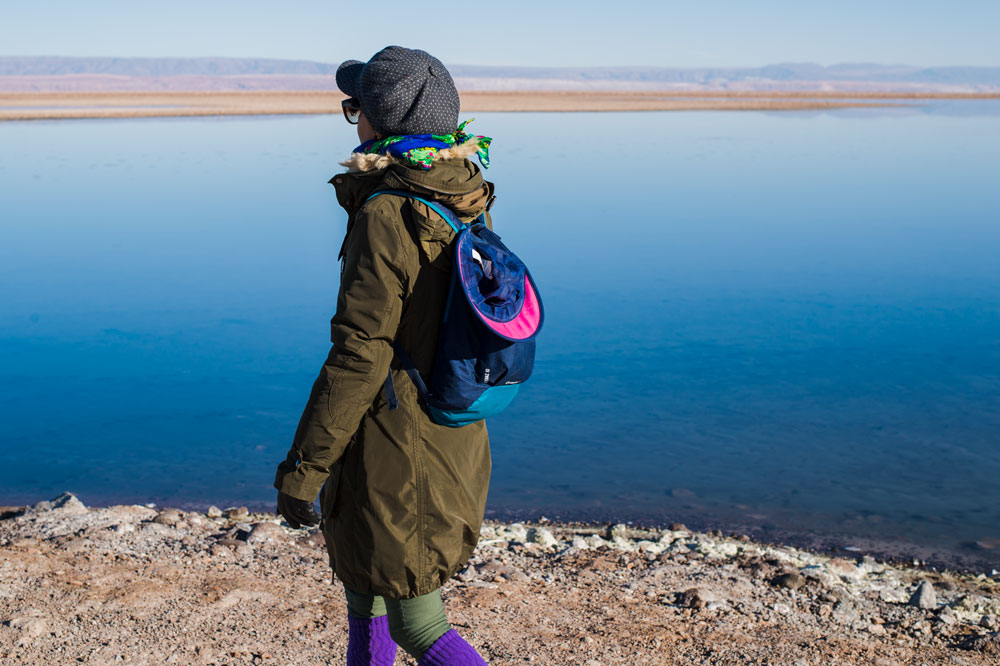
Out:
{"x": 369, "y": 643}
{"x": 451, "y": 650}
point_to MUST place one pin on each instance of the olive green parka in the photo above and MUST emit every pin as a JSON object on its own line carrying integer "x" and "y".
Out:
{"x": 402, "y": 497}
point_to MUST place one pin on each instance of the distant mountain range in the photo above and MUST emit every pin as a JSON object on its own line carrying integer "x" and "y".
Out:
{"x": 96, "y": 74}
{"x": 62, "y": 66}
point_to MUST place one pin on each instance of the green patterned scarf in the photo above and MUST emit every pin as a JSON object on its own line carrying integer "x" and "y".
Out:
{"x": 419, "y": 150}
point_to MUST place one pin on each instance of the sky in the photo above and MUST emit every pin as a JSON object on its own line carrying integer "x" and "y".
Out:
{"x": 585, "y": 33}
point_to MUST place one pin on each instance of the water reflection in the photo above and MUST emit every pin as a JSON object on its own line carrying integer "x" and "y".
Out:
{"x": 782, "y": 321}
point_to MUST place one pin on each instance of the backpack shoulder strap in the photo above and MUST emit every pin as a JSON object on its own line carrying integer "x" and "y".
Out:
{"x": 448, "y": 216}
{"x": 411, "y": 370}
{"x": 407, "y": 363}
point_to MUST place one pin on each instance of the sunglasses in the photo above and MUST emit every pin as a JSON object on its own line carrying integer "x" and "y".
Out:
{"x": 352, "y": 110}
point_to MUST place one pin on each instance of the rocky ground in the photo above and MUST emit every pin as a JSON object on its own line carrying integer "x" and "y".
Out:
{"x": 140, "y": 585}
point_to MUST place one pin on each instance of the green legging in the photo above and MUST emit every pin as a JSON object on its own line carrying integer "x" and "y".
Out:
{"x": 415, "y": 624}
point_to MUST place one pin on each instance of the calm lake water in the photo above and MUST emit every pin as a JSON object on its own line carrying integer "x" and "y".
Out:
{"x": 784, "y": 323}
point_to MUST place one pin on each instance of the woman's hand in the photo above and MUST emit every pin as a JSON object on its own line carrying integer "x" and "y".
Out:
{"x": 296, "y": 512}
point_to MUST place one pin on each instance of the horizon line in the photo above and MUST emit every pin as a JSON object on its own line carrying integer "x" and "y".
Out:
{"x": 623, "y": 67}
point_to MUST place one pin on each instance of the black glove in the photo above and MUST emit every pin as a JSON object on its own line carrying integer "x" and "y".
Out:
{"x": 297, "y": 512}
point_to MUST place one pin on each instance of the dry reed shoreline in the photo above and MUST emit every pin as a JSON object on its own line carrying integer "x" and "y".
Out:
{"x": 81, "y": 105}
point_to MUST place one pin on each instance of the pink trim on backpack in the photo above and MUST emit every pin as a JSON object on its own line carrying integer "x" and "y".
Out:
{"x": 525, "y": 323}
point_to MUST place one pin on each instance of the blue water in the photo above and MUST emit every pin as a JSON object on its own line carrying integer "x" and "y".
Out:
{"x": 784, "y": 322}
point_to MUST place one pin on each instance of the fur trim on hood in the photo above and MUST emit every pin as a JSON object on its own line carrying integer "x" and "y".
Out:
{"x": 373, "y": 161}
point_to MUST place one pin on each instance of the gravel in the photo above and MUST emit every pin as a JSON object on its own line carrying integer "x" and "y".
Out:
{"x": 137, "y": 585}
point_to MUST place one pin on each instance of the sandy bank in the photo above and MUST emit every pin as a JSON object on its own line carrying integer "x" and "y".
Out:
{"x": 136, "y": 585}
{"x": 39, "y": 106}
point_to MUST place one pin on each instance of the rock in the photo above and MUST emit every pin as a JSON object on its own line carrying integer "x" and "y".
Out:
{"x": 213, "y": 512}
{"x": 977, "y": 604}
{"x": 515, "y": 532}
{"x": 717, "y": 549}
{"x": 155, "y": 529}
{"x": 615, "y": 531}
{"x": 236, "y": 513}
{"x": 946, "y": 616}
{"x": 542, "y": 536}
{"x": 989, "y": 622}
{"x": 677, "y": 527}
{"x": 892, "y": 596}
{"x": 924, "y": 597}
{"x": 870, "y": 565}
{"x": 650, "y": 548}
{"x": 194, "y": 519}
{"x": 988, "y": 644}
{"x": 494, "y": 568}
{"x": 26, "y": 628}
{"x": 315, "y": 539}
{"x": 168, "y": 517}
{"x": 266, "y": 532}
{"x": 791, "y": 580}
{"x": 67, "y": 504}
{"x": 697, "y": 597}
{"x": 516, "y": 575}
{"x": 7, "y": 511}
{"x": 876, "y": 629}
{"x": 841, "y": 567}
{"x": 466, "y": 575}
{"x": 844, "y": 613}
{"x": 241, "y": 548}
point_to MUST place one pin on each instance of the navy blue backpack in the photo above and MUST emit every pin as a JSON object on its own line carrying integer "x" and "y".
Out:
{"x": 486, "y": 342}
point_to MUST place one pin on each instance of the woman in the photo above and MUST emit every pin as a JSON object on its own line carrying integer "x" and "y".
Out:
{"x": 402, "y": 497}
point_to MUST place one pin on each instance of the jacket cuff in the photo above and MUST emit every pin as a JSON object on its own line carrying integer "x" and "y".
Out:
{"x": 302, "y": 483}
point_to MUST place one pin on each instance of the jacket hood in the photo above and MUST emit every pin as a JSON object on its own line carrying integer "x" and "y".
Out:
{"x": 453, "y": 180}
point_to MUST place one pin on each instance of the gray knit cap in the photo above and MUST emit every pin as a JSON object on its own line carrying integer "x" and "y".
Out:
{"x": 402, "y": 91}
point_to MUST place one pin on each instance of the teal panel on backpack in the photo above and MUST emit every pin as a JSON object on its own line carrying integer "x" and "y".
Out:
{"x": 493, "y": 400}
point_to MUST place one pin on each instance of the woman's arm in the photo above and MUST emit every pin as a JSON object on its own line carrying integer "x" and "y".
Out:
{"x": 369, "y": 305}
